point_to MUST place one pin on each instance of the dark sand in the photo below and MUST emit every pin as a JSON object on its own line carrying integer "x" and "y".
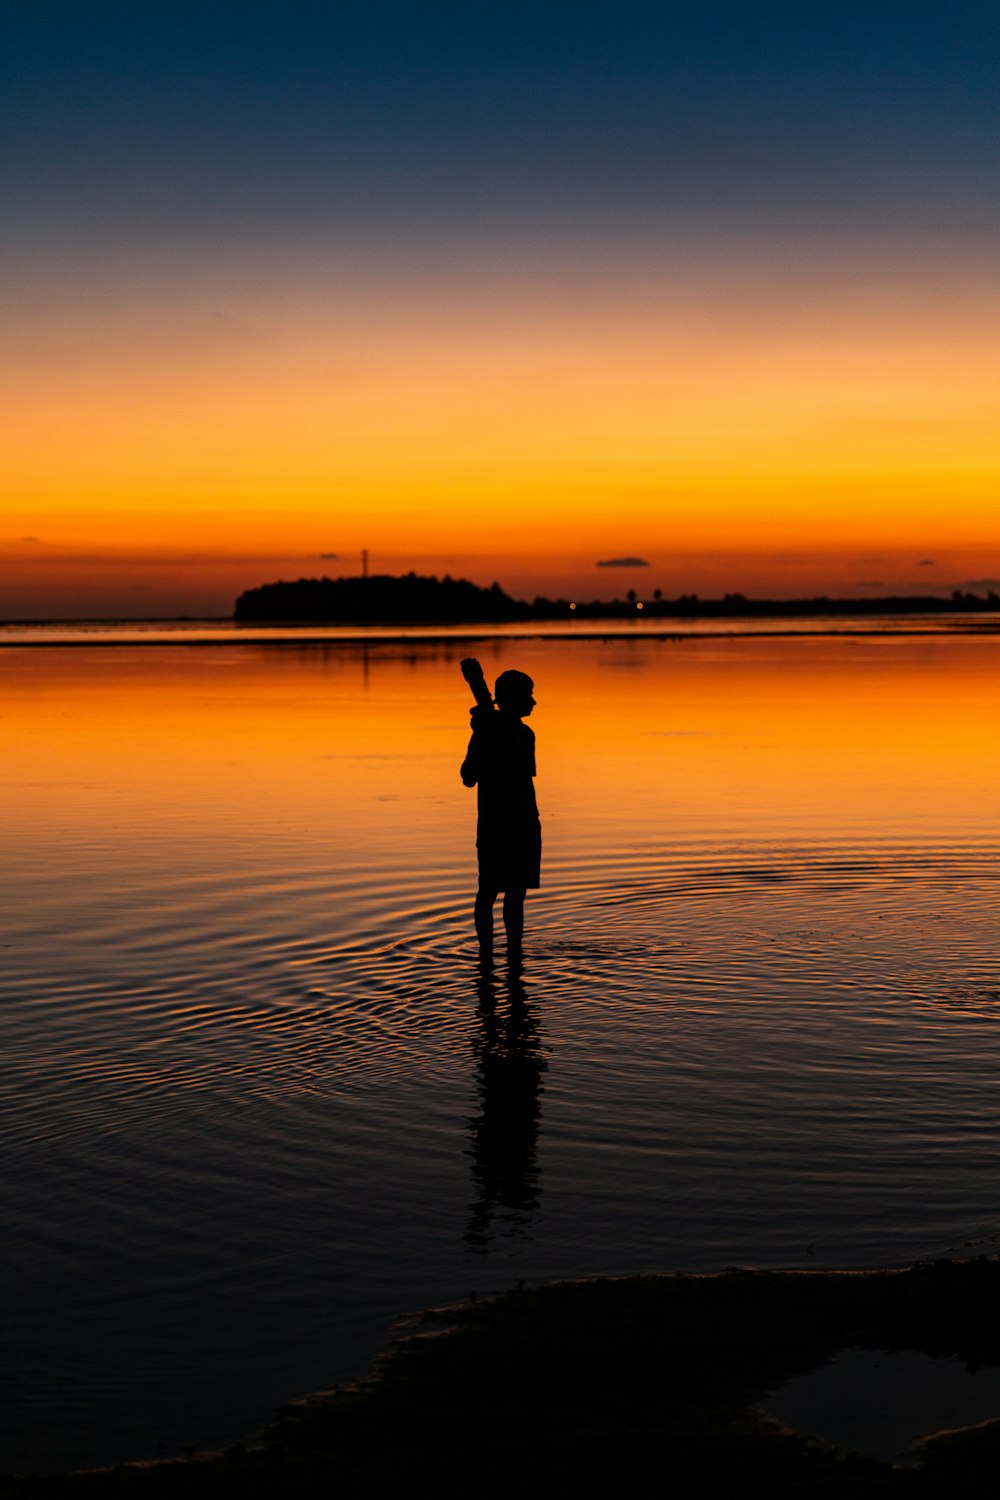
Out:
{"x": 619, "y": 1387}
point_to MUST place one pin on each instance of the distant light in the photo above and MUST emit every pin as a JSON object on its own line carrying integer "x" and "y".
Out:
{"x": 638, "y": 604}
{"x": 572, "y": 606}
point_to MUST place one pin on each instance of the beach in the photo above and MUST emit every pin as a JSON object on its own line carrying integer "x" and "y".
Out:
{"x": 622, "y": 1385}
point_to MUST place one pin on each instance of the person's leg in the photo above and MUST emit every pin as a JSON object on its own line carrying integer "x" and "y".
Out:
{"x": 485, "y": 897}
{"x": 513, "y": 917}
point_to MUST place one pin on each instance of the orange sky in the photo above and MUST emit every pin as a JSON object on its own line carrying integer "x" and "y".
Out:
{"x": 182, "y": 427}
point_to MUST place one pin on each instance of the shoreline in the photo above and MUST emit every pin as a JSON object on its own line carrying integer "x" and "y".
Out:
{"x": 953, "y": 629}
{"x": 594, "y": 1386}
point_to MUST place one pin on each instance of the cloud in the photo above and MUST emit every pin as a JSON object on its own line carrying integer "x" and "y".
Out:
{"x": 329, "y": 556}
{"x": 870, "y": 583}
{"x": 926, "y": 562}
{"x": 623, "y": 562}
{"x": 980, "y": 583}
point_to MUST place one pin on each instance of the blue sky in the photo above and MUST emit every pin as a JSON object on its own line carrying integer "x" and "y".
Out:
{"x": 129, "y": 119}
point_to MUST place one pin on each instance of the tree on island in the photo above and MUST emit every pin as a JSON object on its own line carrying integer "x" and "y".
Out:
{"x": 409, "y": 599}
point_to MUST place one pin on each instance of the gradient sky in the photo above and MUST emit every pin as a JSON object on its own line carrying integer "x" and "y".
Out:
{"x": 501, "y": 292}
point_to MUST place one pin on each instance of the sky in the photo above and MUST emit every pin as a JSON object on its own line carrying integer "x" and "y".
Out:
{"x": 506, "y": 292}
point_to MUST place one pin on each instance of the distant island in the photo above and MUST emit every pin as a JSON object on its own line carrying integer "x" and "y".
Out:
{"x": 416, "y": 599}
{"x": 382, "y": 599}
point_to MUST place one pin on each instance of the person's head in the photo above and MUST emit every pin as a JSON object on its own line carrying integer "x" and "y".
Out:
{"x": 513, "y": 693}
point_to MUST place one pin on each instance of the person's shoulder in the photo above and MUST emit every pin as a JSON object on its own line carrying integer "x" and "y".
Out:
{"x": 527, "y": 730}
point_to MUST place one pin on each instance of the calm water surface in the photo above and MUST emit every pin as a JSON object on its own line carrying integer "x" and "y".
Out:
{"x": 258, "y": 1100}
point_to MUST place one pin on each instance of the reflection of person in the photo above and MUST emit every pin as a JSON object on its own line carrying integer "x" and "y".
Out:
{"x": 500, "y": 761}
{"x": 504, "y": 1132}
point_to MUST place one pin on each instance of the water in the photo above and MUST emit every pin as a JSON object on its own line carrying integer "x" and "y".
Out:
{"x": 258, "y": 1100}
{"x": 882, "y": 1403}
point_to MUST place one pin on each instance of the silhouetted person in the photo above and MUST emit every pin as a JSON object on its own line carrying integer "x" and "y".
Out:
{"x": 500, "y": 761}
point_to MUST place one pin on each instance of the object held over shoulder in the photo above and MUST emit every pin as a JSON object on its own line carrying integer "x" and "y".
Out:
{"x": 473, "y": 674}
{"x": 482, "y": 717}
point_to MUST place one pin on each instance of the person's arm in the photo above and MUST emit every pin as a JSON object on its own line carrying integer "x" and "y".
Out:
{"x": 470, "y": 765}
{"x": 484, "y": 719}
